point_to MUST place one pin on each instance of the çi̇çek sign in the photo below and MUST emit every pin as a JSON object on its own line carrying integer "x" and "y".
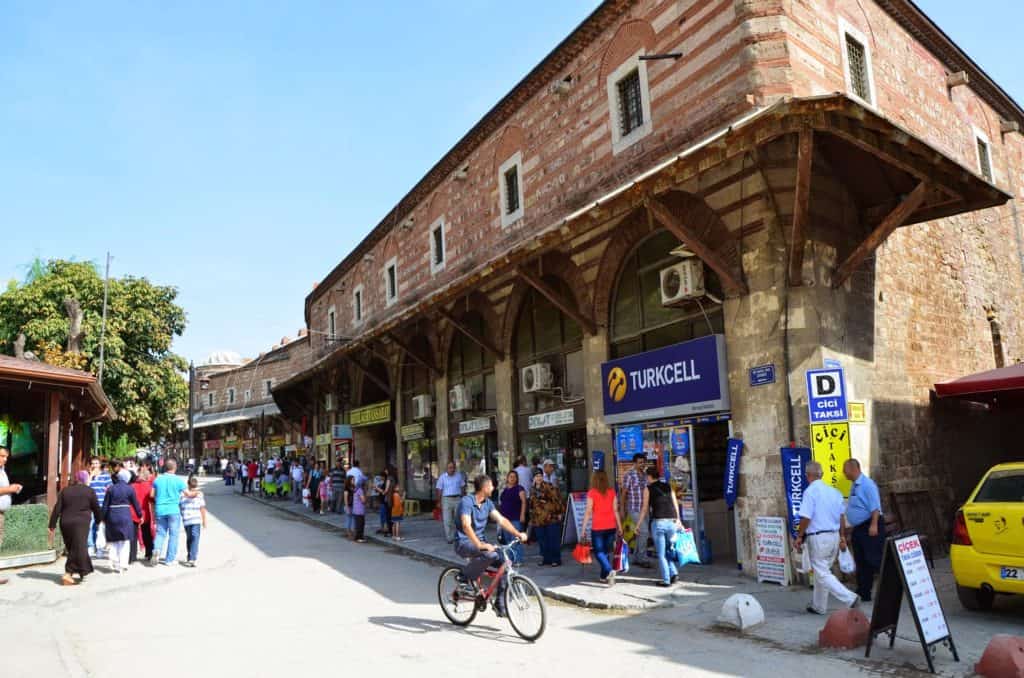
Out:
{"x": 677, "y": 380}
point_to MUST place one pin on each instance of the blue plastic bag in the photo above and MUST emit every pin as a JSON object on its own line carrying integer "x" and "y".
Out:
{"x": 685, "y": 547}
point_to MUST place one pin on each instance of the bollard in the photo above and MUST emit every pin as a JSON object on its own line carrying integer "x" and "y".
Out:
{"x": 845, "y": 629}
{"x": 1003, "y": 658}
{"x": 741, "y": 611}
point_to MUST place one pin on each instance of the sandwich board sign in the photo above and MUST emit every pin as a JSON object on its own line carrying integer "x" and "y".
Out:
{"x": 826, "y": 395}
{"x": 904, "y": 569}
{"x": 572, "y": 527}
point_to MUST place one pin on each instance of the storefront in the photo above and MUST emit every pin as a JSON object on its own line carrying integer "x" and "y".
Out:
{"x": 375, "y": 442}
{"x": 559, "y": 435}
{"x": 475, "y": 448}
{"x": 672, "y": 405}
{"x": 420, "y": 460}
{"x": 323, "y": 447}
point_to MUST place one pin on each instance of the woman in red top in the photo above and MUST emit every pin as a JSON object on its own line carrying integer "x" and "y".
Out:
{"x": 603, "y": 507}
{"x": 143, "y": 485}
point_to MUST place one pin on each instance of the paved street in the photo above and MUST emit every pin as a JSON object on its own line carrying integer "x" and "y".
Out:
{"x": 271, "y": 590}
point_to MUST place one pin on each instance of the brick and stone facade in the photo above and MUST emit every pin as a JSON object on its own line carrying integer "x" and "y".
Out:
{"x": 758, "y": 155}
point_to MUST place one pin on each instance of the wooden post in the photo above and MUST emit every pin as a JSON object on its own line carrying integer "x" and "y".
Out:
{"x": 52, "y": 447}
{"x": 565, "y": 306}
{"x": 801, "y": 205}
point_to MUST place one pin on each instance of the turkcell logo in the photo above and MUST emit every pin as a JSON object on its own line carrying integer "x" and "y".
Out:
{"x": 826, "y": 395}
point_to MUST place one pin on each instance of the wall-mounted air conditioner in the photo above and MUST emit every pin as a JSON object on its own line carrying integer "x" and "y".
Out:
{"x": 458, "y": 398}
{"x": 537, "y": 377}
{"x": 683, "y": 281}
{"x": 422, "y": 407}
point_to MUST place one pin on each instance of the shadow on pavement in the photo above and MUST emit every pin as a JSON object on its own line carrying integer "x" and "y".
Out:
{"x": 416, "y": 626}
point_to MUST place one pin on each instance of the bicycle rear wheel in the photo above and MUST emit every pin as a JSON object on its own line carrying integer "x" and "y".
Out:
{"x": 525, "y": 607}
{"x": 456, "y": 602}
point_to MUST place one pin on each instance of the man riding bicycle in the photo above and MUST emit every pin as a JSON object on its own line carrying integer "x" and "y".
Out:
{"x": 474, "y": 512}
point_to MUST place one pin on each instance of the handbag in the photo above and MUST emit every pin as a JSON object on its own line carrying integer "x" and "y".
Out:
{"x": 582, "y": 554}
{"x": 846, "y": 562}
{"x": 686, "y": 547}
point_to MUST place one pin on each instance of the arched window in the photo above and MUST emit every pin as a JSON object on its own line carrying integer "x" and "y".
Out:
{"x": 420, "y": 451}
{"x": 546, "y": 335}
{"x": 640, "y": 322}
{"x": 473, "y": 367}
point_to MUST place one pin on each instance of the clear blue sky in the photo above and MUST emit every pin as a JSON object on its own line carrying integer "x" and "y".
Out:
{"x": 238, "y": 150}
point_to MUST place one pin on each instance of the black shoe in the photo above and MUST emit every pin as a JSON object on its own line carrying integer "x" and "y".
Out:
{"x": 813, "y": 611}
{"x": 673, "y": 579}
{"x": 664, "y": 584}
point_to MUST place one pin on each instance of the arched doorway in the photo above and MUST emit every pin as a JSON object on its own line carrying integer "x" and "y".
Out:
{"x": 417, "y": 424}
{"x": 472, "y": 402}
{"x": 548, "y": 360}
{"x": 371, "y": 418}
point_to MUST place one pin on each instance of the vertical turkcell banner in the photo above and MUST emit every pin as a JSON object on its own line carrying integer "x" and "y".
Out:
{"x": 794, "y": 463}
{"x": 732, "y": 470}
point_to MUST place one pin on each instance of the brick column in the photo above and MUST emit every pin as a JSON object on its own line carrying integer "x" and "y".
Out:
{"x": 599, "y": 434}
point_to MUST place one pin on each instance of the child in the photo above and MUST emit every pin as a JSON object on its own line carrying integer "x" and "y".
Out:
{"x": 193, "y": 517}
{"x": 359, "y": 512}
{"x": 397, "y": 512}
{"x": 324, "y": 490}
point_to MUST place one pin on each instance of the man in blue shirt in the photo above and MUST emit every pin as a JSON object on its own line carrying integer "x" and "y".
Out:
{"x": 866, "y": 527}
{"x": 166, "y": 494}
{"x": 474, "y": 512}
{"x": 99, "y": 481}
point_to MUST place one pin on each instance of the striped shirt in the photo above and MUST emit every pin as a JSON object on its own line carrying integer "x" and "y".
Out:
{"x": 99, "y": 485}
{"x": 190, "y": 510}
{"x": 451, "y": 485}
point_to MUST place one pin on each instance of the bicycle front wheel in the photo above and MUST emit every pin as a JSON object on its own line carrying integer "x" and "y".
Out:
{"x": 525, "y": 607}
{"x": 457, "y": 603}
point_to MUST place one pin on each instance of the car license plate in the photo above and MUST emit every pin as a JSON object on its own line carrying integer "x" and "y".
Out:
{"x": 1012, "y": 573}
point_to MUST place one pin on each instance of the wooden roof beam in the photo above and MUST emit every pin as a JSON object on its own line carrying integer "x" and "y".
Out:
{"x": 417, "y": 358}
{"x": 801, "y": 205}
{"x": 561, "y": 303}
{"x": 368, "y": 373}
{"x": 480, "y": 341}
{"x": 892, "y": 221}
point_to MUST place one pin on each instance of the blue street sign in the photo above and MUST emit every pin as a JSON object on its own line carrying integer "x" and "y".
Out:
{"x": 598, "y": 460}
{"x": 762, "y": 375}
{"x": 832, "y": 364}
{"x": 826, "y": 395}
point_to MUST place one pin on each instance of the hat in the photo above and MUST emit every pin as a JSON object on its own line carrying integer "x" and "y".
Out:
{"x": 548, "y": 462}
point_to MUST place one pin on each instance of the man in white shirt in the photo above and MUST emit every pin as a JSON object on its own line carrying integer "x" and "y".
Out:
{"x": 357, "y": 473}
{"x": 525, "y": 474}
{"x": 821, "y": 510}
{"x": 297, "y": 477}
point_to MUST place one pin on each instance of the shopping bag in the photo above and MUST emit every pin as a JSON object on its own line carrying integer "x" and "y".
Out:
{"x": 846, "y": 563}
{"x": 686, "y": 547}
{"x": 630, "y": 533}
{"x": 802, "y": 561}
{"x": 582, "y": 554}
{"x": 620, "y": 559}
{"x": 437, "y": 513}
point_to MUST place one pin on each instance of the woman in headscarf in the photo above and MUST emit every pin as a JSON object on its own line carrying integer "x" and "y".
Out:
{"x": 117, "y": 519}
{"x": 76, "y": 507}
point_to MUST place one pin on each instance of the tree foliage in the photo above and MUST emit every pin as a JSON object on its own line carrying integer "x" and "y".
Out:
{"x": 141, "y": 375}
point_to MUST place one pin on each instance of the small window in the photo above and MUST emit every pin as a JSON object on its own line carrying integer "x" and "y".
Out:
{"x": 856, "y": 56}
{"x": 267, "y": 385}
{"x": 390, "y": 282}
{"x": 248, "y": 394}
{"x": 631, "y": 111}
{"x": 510, "y": 184}
{"x": 231, "y": 396}
{"x": 357, "y": 304}
{"x": 209, "y": 399}
{"x": 984, "y": 158}
{"x": 511, "y": 190}
{"x": 332, "y": 327}
{"x": 437, "y": 250}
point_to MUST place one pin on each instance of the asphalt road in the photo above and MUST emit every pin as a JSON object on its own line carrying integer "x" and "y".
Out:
{"x": 275, "y": 596}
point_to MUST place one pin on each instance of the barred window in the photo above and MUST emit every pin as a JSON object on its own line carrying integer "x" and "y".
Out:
{"x": 856, "y": 57}
{"x": 631, "y": 111}
{"x": 984, "y": 159}
{"x": 512, "y": 190}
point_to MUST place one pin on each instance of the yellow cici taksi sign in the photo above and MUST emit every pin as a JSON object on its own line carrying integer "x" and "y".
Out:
{"x": 830, "y": 446}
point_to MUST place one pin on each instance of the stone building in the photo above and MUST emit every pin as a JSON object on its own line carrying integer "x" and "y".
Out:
{"x": 234, "y": 412}
{"x": 840, "y": 174}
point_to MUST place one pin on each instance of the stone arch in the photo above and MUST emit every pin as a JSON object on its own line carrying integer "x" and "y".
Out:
{"x": 510, "y": 141}
{"x": 630, "y": 232}
{"x": 632, "y": 36}
{"x": 474, "y": 302}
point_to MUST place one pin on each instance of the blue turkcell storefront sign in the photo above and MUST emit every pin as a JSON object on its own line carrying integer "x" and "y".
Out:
{"x": 678, "y": 380}
{"x": 732, "y": 470}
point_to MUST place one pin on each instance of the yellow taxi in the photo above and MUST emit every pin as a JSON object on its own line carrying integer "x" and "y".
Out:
{"x": 988, "y": 538}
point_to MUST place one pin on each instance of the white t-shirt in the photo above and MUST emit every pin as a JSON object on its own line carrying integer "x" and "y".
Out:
{"x": 357, "y": 473}
{"x": 823, "y": 504}
{"x": 271, "y": 464}
{"x": 297, "y": 473}
{"x": 5, "y": 499}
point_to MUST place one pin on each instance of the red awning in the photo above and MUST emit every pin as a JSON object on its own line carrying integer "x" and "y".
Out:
{"x": 1003, "y": 384}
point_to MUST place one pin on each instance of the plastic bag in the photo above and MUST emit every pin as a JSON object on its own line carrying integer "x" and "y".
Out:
{"x": 802, "y": 560}
{"x": 620, "y": 559}
{"x": 846, "y": 562}
{"x": 686, "y": 547}
{"x": 582, "y": 554}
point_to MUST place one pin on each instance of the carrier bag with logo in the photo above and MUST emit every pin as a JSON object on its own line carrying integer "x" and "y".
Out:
{"x": 685, "y": 547}
{"x": 620, "y": 559}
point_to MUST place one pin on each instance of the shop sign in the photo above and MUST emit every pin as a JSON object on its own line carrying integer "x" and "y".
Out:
{"x": 211, "y": 445}
{"x": 275, "y": 441}
{"x": 794, "y": 480}
{"x": 231, "y": 443}
{"x": 323, "y": 439}
{"x": 770, "y": 538}
{"x": 732, "y": 470}
{"x": 290, "y": 449}
{"x": 762, "y": 375}
{"x": 249, "y": 443}
{"x": 378, "y": 413}
{"x": 552, "y": 419}
{"x": 572, "y": 526}
{"x": 858, "y": 413}
{"x": 629, "y": 440}
{"x": 677, "y": 380}
{"x": 413, "y": 432}
{"x": 826, "y": 395}
{"x": 341, "y": 432}
{"x": 680, "y": 439}
{"x": 478, "y": 425}
{"x": 830, "y": 445}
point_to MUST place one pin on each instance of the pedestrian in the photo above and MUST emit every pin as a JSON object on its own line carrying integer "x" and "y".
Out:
{"x": 253, "y": 474}
{"x": 450, "y": 488}
{"x": 6, "y": 490}
{"x": 660, "y": 503}
{"x": 313, "y": 485}
{"x": 76, "y": 509}
{"x": 99, "y": 481}
{"x": 865, "y": 525}
{"x": 359, "y": 512}
{"x": 119, "y": 529}
{"x": 298, "y": 476}
{"x": 337, "y": 477}
{"x": 602, "y": 517}
{"x": 325, "y": 494}
{"x": 512, "y": 505}
{"x": 143, "y": 486}
{"x": 525, "y": 474}
{"x": 397, "y": 512}
{"x": 193, "y": 517}
{"x": 166, "y": 494}
{"x": 229, "y": 474}
{"x": 546, "y": 520}
{"x": 384, "y": 488}
{"x": 356, "y": 472}
{"x": 551, "y": 473}
{"x": 350, "y": 491}
{"x": 821, "y": 510}
{"x": 634, "y": 485}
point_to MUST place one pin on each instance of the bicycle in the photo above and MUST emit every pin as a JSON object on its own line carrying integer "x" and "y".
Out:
{"x": 461, "y": 601}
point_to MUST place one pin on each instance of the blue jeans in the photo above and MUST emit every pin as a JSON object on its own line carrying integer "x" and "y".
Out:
{"x": 663, "y": 532}
{"x": 192, "y": 533}
{"x": 507, "y": 537}
{"x": 603, "y": 541}
{"x": 167, "y": 529}
{"x": 549, "y": 539}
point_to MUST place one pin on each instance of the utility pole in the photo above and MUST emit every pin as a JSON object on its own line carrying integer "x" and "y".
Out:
{"x": 191, "y": 413}
{"x": 103, "y": 333}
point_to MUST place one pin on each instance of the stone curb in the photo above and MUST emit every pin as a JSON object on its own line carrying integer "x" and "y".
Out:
{"x": 549, "y": 593}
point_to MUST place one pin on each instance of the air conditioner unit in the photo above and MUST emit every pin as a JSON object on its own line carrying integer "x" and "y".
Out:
{"x": 537, "y": 377}
{"x": 328, "y": 402}
{"x": 458, "y": 398}
{"x": 682, "y": 281}
{"x": 422, "y": 407}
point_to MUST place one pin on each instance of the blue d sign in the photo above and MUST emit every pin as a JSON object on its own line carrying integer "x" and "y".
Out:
{"x": 826, "y": 395}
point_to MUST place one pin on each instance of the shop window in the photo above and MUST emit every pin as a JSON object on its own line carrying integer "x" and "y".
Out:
{"x": 639, "y": 321}
{"x": 574, "y": 374}
{"x": 545, "y": 335}
{"x": 510, "y": 181}
{"x": 984, "y": 155}
{"x": 472, "y": 366}
{"x": 857, "y": 64}
{"x": 629, "y": 103}
{"x": 391, "y": 282}
{"x": 437, "y": 247}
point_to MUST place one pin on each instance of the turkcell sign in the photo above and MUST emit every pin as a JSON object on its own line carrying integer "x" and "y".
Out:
{"x": 826, "y": 395}
{"x": 678, "y": 380}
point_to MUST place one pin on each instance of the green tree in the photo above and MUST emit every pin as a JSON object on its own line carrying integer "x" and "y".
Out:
{"x": 141, "y": 375}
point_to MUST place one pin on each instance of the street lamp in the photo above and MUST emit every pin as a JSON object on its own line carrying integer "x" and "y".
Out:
{"x": 191, "y": 412}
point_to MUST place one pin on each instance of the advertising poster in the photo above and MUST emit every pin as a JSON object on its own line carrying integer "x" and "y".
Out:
{"x": 794, "y": 461}
{"x": 770, "y": 539}
{"x": 830, "y": 446}
{"x": 921, "y": 589}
